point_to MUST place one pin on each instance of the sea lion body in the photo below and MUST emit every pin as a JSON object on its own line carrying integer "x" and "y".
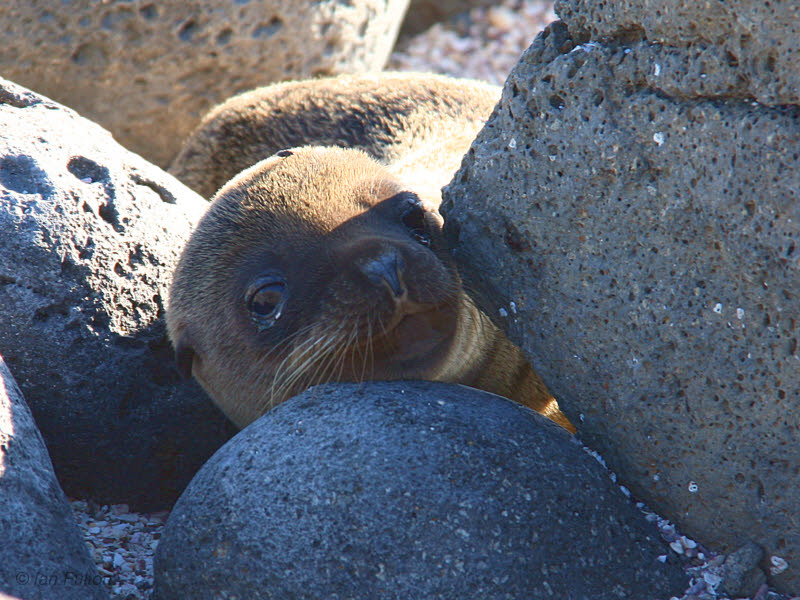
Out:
{"x": 420, "y": 124}
{"x": 322, "y": 263}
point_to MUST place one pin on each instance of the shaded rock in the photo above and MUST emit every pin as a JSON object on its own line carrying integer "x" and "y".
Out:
{"x": 422, "y": 14}
{"x": 407, "y": 490}
{"x": 740, "y": 573}
{"x": 738, "y": 47}
{"x": 148, "y": 71}
{"x": 648, "y": 243}
{"x": 89, "y": 234}
{"x": 42, "y": 552}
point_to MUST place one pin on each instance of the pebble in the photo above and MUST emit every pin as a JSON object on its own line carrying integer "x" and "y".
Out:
{"x": 123, "y": 544}
{"x": 486, "y": 44}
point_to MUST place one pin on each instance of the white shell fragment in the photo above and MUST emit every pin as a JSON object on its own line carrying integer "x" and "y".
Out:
{"x": 712, "y": 579}
{"x": 779, "y": 565}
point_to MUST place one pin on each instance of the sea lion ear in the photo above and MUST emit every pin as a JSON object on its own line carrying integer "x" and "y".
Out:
{"x": 184, "y": 355}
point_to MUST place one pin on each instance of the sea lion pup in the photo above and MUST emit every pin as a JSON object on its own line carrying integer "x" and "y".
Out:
{"x": 421, "y": 124}
{"x": 322, "y": 264}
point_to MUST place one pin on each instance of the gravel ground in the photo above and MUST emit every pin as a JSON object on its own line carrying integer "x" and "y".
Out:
{"x": 484, "y": 44}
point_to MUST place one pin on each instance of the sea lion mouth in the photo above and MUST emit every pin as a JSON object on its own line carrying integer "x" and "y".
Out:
{"x": 420, "y": 334}
{"x": 414, "y": 336}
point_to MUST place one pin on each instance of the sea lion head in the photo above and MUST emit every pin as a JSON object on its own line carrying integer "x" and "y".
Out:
{"x": 314, "y": 265}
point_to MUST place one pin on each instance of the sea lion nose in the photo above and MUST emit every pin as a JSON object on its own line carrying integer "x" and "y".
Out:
{"x": 386, "y": 269}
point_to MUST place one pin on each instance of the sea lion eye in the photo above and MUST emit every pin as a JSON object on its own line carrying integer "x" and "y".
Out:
{"x": 265, "y": 299}
{"x": 414, "y": 219}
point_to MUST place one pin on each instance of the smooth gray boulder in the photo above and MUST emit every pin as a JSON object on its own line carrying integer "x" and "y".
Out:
{"x": 642, "y": 244}
{"x": 42, "y": 553}
{"x": 407, "y": 490}
{"x": 148, "y": 71}
{"x": 89, "y": 234}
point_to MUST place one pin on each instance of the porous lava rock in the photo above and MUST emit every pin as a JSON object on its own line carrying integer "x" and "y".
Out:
{"x": 89, "y": 235}
{"x": 635, "y": 229}
{"x": 148, "y": 71}
{"x": 407, "y": 490}
{"x": 731, "y": 48}
{"x": 42, "y": 553}
{"x": 422, "y": 14}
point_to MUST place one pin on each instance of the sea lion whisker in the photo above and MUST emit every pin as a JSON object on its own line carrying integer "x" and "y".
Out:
{"x": 335, "y": 360}
{"x": 319, "y": 348}
{"x": 323, "y": 367}
{"x": 290, "y": 358}
{"x": 281, "y": 345}
{"x": 367, "y": 353}
{"x": 323, "y": 370}
{"x": 352, "y": 341}
{"x": 262, "y": 372}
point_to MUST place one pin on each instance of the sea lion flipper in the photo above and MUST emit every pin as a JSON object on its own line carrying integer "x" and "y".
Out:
{"x": 184, "y": 355}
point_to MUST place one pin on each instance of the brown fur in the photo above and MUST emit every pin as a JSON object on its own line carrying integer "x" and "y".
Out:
{"x": 367, "y": 292}
{"x": 395, "y": 117}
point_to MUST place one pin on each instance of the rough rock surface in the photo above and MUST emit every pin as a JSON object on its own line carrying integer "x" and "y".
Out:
{"x": 148, "y": 71}
{"x": 424, "y": 13}
{"x": 643, "y": 243}
{"x": 407, "y": 490}
{"x": 740, "y": 573}
{"x": 42, "y": 554}
{"x": 737, "y": 48}
{"x": 89, "y": 234}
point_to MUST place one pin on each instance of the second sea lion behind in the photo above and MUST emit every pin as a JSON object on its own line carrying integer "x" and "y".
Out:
{"x": 421, "y": 124}
{"x": 323, "y": 264}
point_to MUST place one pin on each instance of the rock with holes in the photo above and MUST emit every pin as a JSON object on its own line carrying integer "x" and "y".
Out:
{"x": 407, "y": 490}
{"x": 148, "y": 71}
{"x": 89, "y": 234}
{"x": 641, "y": 235}
{"x": 729, "y": 49}
{"x": 41, "y": 550}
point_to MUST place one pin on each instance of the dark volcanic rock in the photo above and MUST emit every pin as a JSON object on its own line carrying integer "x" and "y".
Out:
{"x": 646, "y": 231}
{"x": 42, "y": 553}
{"x": 89, "y": 234}
{"x": 407, "y": 490}
{"x": 740, "y": 573}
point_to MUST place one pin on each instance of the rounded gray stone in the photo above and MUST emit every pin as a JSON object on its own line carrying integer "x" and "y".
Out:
{"x": 89, "y": 235}
{"x": 649, "y": 243}
{"x": 42, "y": 553}
{"x": 407, "y": 490}
{"x": 148, "y": 71}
